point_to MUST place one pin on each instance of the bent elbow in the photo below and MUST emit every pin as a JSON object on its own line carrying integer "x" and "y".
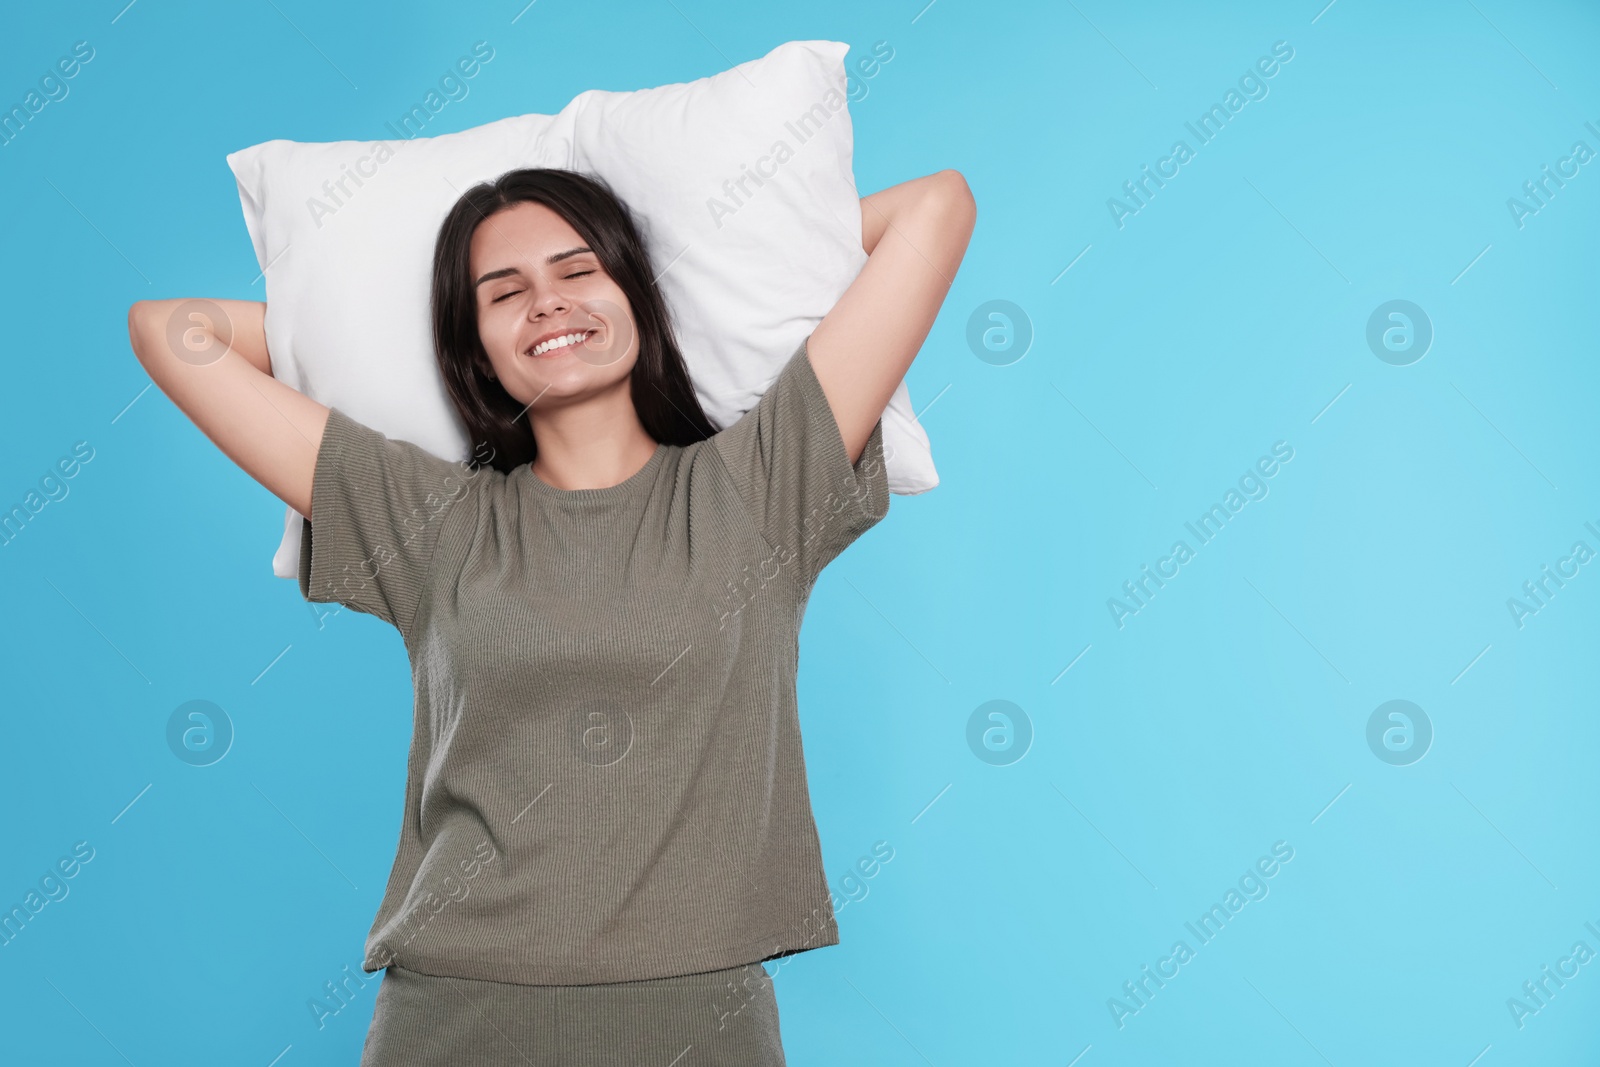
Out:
{"x": 147, "y": 327}
{"x": 136, "y": 315}
{"x": 956, "y": 196}
{"x": 955, "y": 185}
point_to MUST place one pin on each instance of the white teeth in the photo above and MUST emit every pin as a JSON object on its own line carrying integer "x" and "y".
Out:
{"x": 559, "y": 342}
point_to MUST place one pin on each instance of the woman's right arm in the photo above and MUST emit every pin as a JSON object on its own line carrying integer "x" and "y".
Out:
{"x": 271, "y": 430}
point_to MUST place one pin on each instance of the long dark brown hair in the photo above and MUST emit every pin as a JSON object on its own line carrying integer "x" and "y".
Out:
{"x": 663, "y": 394}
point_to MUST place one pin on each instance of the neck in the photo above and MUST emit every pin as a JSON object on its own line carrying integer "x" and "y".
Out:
{"x": 591, "y": 446}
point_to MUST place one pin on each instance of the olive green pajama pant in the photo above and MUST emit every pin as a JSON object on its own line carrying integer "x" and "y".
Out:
{"x": 725, "y": 1017}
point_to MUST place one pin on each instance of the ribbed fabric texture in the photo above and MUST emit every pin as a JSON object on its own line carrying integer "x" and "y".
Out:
{"x": 606, "y": 780}
{"x": 726, "y": 1018}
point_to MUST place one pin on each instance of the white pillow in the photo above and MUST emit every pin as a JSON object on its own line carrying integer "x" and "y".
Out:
{"x": 345, "y": 231}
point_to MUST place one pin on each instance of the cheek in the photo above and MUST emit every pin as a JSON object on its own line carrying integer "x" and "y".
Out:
{"x": 497, "y": 327}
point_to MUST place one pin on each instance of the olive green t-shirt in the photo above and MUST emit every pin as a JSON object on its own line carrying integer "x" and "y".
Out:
{"x": 606, "y": 780}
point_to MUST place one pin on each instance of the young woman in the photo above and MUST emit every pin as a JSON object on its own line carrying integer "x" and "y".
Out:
{"x": 607, "y": 826}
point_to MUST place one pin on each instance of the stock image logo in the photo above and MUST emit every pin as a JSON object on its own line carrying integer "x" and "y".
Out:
{"x": 602, "y": 732}
{"x": 999, "y": 733}
{"x": 199, "y": 733}
{"x": 1399, "y": 332}
{"x": 607, "y": 332}
{"x": 999, "y": 332}
{"x": 1399, "y": 732}
{"x": 199, "y": 332}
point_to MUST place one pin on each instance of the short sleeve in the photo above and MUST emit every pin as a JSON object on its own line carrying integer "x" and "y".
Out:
{"x": 377, "y": 508}
{"x": 788, "y": 460}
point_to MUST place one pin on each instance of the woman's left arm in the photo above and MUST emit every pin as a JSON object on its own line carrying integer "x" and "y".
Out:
{"x": 915, "y": 235}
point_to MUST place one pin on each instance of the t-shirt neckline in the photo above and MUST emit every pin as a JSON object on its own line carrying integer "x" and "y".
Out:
{"x": 626, "y": 487}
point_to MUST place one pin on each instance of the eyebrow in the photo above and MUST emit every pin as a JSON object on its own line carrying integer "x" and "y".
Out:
{"x": 557, "y": 258}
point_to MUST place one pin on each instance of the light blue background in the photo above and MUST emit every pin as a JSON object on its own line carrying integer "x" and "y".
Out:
{"x": 1229, "y": 714}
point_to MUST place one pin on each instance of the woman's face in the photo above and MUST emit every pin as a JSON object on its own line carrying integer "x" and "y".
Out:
{"x": 535, "y": 280}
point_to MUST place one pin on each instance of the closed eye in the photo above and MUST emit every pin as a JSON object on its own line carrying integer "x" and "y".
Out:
{"x": 514, "y": 292}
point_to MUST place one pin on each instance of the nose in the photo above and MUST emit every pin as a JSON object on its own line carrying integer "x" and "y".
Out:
{"x": 547, "y": 299}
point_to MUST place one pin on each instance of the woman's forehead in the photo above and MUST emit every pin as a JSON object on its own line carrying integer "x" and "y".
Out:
{"x": 523, "y": 233}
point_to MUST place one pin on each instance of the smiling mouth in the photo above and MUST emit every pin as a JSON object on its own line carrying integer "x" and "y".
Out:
{"x": 557, "y": 345}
